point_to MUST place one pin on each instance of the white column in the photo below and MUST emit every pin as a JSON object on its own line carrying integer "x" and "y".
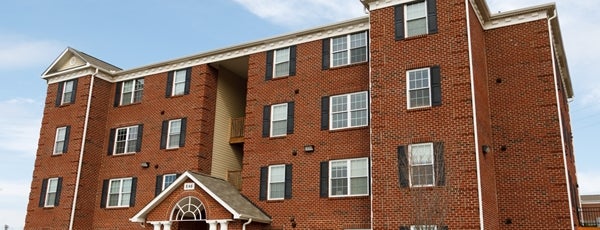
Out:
{"x": 223, "y": 224}
{"x": 212, "y": 224}
{"x": 166, "y": 225}
{"x": 156, "y": 225}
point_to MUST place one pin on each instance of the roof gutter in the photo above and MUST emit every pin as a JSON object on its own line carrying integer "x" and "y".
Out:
{"x": 80, "y": 163}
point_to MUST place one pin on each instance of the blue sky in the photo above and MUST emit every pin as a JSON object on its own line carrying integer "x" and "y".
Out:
{"x": 140, "y": 32}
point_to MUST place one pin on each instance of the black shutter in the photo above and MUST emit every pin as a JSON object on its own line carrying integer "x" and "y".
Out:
{"x": 404, "y": 228}
{"x": 182, "y": 132}
{"x": 402, "y": 167}
{"x": 432, "y": 16}
{"x": 67, "y": 134}
{"x": 443, "y": 228}
{"x": 439, "y": 168}
{"x": 111, "y": 141}
{"x": 399, "y": 22}
{"x": 58, "y": 190}
{"x": 133, "y": 191}
{"x": 264, "y": 176}
{"x": 288, "y": 182}
{"x": 293, "y": 61}
{"x": 140, "y": 134}
{"x": 169, "y": 89}
{"x": 266, "y": 121}
{"x": 269, "y": 67}
{"x": 324, "y": 113}
{"x": 118, "y": 94}
{"x": 74, "y": 91}
{"x": 188, "y": 81}
{"x": 324, "y": 185}
{"x": 43, "y": 193}
{"x": 325, "y": 56}
{"x": 164, "y": 133}
{"x": 104, "y": 194}
{"x": 436, "y": 86}
{"x": 59, "y": 94}
{"x": 158, "y": 186}
{"x": 290, "y": 117}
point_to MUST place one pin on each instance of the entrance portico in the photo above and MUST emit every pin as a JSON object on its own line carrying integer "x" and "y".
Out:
{"x": 196, "y": 201}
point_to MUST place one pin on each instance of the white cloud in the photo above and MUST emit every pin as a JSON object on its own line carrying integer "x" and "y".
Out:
{"x": 20, "y": 52}
{"x": 20, "y": 122}
{"x": 589, "y": 182}
{"x": 13, "y": 203}
{"x": 303, "y": 13}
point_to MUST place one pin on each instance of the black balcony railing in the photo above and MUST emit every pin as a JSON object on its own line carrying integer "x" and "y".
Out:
{"x": 590, "y": 217}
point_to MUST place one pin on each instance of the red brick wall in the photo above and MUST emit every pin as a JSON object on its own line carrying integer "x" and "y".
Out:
{"x": 530, "y": 172}
{"x": 394, "y": 125}
{"x": 484, "y": 126}
{"x": 311, "y": 83}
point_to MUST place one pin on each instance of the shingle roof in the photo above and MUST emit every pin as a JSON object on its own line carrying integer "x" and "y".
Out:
{"x": 94, "y": 61}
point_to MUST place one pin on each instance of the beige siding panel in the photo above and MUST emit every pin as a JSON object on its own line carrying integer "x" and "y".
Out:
{"x": 231, "y": 102}
{"x": 70, "y": 63}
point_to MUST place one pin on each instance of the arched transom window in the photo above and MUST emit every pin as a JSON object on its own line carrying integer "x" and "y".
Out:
{"x": 188, "y": 208}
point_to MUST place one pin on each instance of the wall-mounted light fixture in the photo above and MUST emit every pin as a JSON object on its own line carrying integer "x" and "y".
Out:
{"x": 309, "y": 148}
{"x": 486, "y": 148}
{"x": 145, "y": 164}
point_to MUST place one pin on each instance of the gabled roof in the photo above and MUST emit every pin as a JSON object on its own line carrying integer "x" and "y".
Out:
{"x": 72, "y": 59}
{"x": 220, "y": 190}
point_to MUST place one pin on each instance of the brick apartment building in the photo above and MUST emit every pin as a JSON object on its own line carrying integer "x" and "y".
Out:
{"x": 424, "y": 114}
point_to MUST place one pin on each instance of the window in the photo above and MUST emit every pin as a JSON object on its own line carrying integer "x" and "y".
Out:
{"x": 167, "y": 180}
{"x": 66, "y": 92}
{"x": 349, "y": 110}
{"x": 424, "y": 87}
{"x": 61, "y": 140}
{"x": 415, "y": 18}
{"x": 349, "y": 177}
{"x": 419, "y": 88}
{"x": 349, "y": 49}
{"x": 278, "y": 119}
{"x": 178, "y": 82}
{"x": 421, "y": 165}
{"x": 50, "y": 194}
{"x": 120, "y": 192}
{"x": 275, "y": 182}
{"x": 132, "y": 91}
{"x": 173, "y": 133}
{"x": 126, "y": 140}
{"x": 282, "y": 62}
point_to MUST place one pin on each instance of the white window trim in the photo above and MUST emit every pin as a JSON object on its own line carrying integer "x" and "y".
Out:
{"x": 348, "y": 49}
{"x": 406, "y": 18}
{"x": 133, "y": 91}
{"x": 410, "y": 165}
{"x": 275, "y": 62}
{"x": 174, "y": 133}
{"x": 126, "y": 140}
{"x": 349, "y": 177}
{"x": 56, "y": 140}
{"x": 121, "y": 192}
{"x": 175, "y": 82}
{"x": 164, "y": 184}
{"x": 64, "y": 91}
{"x": 348, "y": 110}
{"x": 269, "y": 183}
{"x": 408, "y": 89}
{"x": 273, "y": 120}
{"x": 51, "y": 204}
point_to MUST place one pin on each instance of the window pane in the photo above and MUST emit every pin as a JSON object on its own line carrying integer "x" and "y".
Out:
{"x": 115, "y": 186}
{"x": 179, "y": 88}
{"x": 339, "y": 186}
{"x": 127, "y": 86}
{"x": 174, "y": 140}
{"x": 279, "y": 112}
{"x": 113, "y": 200}
{"x": 339, "y": 169}
{"x": 175, "y": 126}
{"x": 359, "y": 186}
{"x": 50, "y": 199}
{"x": 416, "y": 27}
{"x": 59, "y": 146}
{"x": 338, "y": 103}
{"x": 125, "y": 199}
{"x": 279, "y": 128}
{"x": 358, "y": 168}
{"x": 126, "y": 99}
{"x": 277, "y": 174}
{"x": 422, "y": 175}
{"x": 340, "y": 58}
{"x": 168, "y": 180}
{"x": 282, "y": 69}
{"x": 421, "y": 154}
{"x": 282, "y": 55}
{"x": 139, "y": 84}
{"x": 358, "y": 101}
{"x": 339, "y": 44}
{"x": 358, "y": 55}
{"x": 277, "y": 190}
{"x": 416, "y": 10}
{"x": 358, "y": 40}
{"x": 359, "y": 118}
{"x": 339, "y": 120}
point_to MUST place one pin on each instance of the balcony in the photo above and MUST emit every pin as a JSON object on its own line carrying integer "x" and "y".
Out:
{"x": 236, "y": 130}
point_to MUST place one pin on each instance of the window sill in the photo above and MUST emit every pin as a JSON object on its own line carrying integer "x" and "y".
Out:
{"x": 415, "y": 37}
{"x": 355, "y": 197}
{"x": 177, "y": 96}
{"x": 65, "y": 105}
{"x": 348, "y": 129}
{"x": 419, "y": 109}
{"x": 348, "y": 65}
{"x": 130, "y": 104}
{"x": 57, "y": 154}
{"x": 172, "y": 149}
{"x": 280, "y": 78}
{"x": 122, "y": 154}
{"x": 277, "y": 137}
{"x": 275, "y": 201}
{"x": 117, "y": 208}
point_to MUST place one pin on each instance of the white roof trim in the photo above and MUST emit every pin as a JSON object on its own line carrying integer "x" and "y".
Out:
{"x": 140, "y": 217}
